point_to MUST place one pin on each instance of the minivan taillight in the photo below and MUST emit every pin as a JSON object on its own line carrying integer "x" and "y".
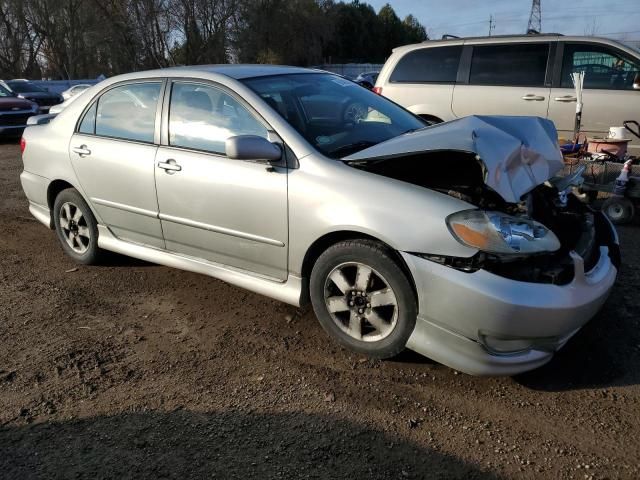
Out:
{"x": 377, "y": 90}
{"x": 23, "y": 144}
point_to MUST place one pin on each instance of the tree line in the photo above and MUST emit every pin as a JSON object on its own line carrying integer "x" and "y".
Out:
{"x": 62, "y": 39}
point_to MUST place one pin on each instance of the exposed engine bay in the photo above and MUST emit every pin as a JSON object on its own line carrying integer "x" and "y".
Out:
{"x": 552, "y": 204}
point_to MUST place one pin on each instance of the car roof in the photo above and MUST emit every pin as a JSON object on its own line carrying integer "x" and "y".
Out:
{"x": 543, "y": 37}
{"x": 240, "y": 71}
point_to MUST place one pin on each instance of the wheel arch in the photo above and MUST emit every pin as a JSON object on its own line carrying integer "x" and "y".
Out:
{"x": 327, "y": 240}
{"x": 54, "y": 188}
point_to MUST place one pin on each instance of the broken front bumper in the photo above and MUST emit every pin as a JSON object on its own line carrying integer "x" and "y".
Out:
{"x": 459, "y": 311}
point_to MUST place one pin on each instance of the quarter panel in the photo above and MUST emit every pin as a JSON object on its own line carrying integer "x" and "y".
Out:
{"x": 423, "y": 99}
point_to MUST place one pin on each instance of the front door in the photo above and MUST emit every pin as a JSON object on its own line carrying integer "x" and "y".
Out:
{"x": 505, "y": 79}
{"x": 608, "y": 96}
{"x": 113, "y": 153}
{"x": 230, "y": 212}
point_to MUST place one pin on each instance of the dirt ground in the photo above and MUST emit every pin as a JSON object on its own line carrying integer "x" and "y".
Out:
{"x": 132, "y": 370}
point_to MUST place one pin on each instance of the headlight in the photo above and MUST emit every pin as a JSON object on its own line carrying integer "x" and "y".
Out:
{"x": 496, "y": 232}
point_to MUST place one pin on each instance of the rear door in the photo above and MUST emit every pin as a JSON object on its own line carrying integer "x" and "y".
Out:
{"x": 608, "y": 97}
{"x": 231, "y": 212}
{"x": 113, "y": 152}
{"x": 505, "y": 79}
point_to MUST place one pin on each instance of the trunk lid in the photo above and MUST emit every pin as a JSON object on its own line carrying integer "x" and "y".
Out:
{"x": 9, "y": 104}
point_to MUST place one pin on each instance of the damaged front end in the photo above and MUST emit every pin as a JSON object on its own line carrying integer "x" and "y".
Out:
{"x": 527, "y": 225}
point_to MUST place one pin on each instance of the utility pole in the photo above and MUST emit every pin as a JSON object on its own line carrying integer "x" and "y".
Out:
{"x": 492, "y": 24}
{"x": 535, "y": 18}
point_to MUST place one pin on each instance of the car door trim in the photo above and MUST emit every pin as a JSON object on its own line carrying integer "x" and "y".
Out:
{"x": 158, "y": 114}
{"x": 223, "y": 230}
{"x": 127, "y": 208}
{"x": 289, "y": 290}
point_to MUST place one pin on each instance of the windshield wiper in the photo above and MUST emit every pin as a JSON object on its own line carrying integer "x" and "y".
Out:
{"x": 352, "y": 147}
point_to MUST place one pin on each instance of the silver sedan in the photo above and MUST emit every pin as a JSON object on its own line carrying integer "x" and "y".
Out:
{"x": 457, "y": 241}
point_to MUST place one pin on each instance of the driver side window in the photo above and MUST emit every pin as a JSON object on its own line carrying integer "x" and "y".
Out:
{"x": 202, "y": 117}
{"x": 604, "y": 68}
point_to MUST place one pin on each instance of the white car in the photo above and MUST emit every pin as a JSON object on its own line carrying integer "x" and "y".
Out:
{"x": 74, "y": 90}
{"x": 517, "y": 75}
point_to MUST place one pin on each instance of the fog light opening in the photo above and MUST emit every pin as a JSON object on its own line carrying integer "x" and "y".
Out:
{"x": 505, "y": 346}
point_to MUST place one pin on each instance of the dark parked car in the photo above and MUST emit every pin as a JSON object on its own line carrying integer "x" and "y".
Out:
{"x": 367, "y": 79}
{"x": 14, "y": 112}
{"x": 30, "y": 91}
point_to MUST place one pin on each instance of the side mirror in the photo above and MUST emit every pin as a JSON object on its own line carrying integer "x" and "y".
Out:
{"x": 252, "y": 147}
{"x": 636, "y": 82}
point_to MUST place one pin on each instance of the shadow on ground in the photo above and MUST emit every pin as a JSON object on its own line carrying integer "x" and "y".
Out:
{"x": 184, "y": 444}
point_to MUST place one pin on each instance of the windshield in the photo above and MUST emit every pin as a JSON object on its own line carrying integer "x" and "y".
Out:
{"x": 335, "y": 115}
{"x": 4, "y": 92}
{"x": 24, "y": 87}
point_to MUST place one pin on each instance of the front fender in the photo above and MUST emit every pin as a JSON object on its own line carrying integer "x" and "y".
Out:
{"x": 328, "y": 196}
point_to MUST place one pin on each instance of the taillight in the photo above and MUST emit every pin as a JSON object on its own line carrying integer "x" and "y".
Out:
{"x": 23, "y": 144}
{"x": 377, "y": 90}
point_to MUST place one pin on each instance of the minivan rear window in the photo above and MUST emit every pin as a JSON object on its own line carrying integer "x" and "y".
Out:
{"x": 509, "y": 65}
{"x": 428, "y": 65}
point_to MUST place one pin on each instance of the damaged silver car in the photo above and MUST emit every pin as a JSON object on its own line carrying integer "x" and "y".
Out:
{"x": 457, "y": 241}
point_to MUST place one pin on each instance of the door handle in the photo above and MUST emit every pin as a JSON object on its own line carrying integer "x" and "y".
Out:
{"x": 566, "y": 99}
{"x": 170, "y": 166}
{"x": 82, "y": 150}
{"x": 530, "y": 97}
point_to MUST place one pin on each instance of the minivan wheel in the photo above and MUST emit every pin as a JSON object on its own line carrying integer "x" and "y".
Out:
{"x": 76, "y": 227}
{"x": 620, "y": 210}
{"x": 363, "y": 299}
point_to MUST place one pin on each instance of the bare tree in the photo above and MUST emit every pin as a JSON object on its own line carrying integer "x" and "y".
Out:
{"x": 19, "y": 46}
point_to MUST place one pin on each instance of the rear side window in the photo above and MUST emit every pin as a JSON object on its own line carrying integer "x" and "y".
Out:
{"x": 428, "y": 65}
{"x": 604, "y": 68}
{"x": 88, "y": 123}
{"x": 128, "y": 112}
{"x": 509, "y": 65}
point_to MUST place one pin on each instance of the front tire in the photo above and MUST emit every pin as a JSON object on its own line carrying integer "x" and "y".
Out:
{"x": 76, "y": 227}
{"x": 363, "y": 299}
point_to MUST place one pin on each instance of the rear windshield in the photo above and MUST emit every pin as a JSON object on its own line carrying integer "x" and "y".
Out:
{"x": 335, "y": 115}
{"x": 24, "y": 87}
{"x": 4, "y": 92}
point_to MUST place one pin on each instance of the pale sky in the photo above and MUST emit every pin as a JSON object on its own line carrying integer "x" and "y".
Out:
{"x": 618, "y": 19}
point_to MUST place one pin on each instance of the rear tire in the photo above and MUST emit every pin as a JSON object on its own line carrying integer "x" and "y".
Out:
{"x": 363, "y": 299}
{"x": 76, "y": 227}
{"x": 620, "y": 210}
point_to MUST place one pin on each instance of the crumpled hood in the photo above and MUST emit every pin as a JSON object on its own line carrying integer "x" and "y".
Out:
{"x": 518, "y": 153}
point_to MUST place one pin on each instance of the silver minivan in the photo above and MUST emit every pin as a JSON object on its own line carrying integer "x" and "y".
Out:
{"x": 517, "y": 75}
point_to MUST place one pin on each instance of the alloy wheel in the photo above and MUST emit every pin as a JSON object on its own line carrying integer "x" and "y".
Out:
{"x": 361, "y": 302}
{"x": 74, "y": 227}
